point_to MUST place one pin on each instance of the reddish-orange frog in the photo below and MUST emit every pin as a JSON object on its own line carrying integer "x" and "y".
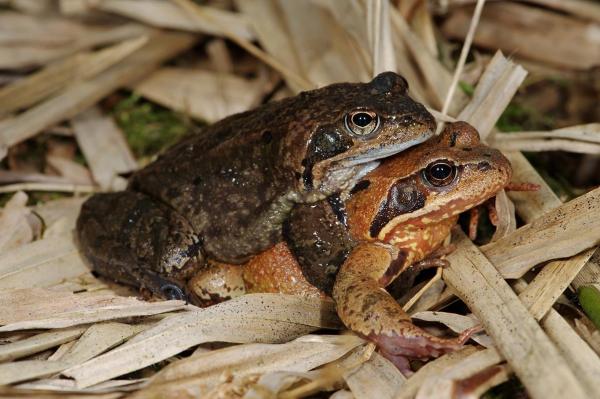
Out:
{"x": 407, "y": 211}
{"x": 397, "y": 216}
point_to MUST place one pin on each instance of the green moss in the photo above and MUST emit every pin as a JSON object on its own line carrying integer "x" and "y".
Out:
{"x": 149, "y": 128}
{"x": 517, "y": 117}
{"x": 589, "y": 297}
{"x": 511, "y": 119}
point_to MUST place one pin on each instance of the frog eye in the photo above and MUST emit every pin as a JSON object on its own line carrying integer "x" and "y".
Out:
{"x": 440, "y": 173}
{"x": 362, "y": 123}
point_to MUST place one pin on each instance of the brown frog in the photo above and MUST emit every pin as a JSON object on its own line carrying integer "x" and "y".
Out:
{"x": 224, "y": 193}
{"x": 397, "y": 216}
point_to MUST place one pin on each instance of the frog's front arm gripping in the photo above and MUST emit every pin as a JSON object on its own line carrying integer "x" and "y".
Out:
{"x": 366, "y": 308}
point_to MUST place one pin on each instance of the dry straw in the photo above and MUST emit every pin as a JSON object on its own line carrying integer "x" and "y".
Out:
{"x": 66, "y": 332}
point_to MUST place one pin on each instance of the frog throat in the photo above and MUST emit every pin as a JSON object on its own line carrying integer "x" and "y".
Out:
{"x": 346, "y": 169}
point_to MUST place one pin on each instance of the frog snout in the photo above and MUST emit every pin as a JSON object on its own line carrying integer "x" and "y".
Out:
{"x": 499, "y": 162}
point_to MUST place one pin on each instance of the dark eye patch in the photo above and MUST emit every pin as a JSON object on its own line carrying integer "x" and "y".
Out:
{"x": 324, "y": 144}
{"x": 403, "y": 197}
{"x": 361, "y": 185}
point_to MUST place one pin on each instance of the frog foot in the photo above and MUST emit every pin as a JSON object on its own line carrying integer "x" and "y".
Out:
{"x": 490, "y": 205}
{"x": 164, "y": 288}
{"x": 407, "y": 341}
{"x": 369, "y": 310}
{"x": 406, "y": 279}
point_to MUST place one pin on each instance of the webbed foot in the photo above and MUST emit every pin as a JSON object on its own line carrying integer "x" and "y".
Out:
{"x": 407, "y": 341}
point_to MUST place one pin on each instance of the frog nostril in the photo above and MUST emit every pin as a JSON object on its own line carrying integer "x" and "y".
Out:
{"x": 453, "y": 138}
{"x": 484, "y": 166}
{"x": 407, "y": 121}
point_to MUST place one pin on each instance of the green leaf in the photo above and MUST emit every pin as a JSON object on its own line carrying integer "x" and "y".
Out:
{"x": 467, "y": 88}
{"x": 589, "y": 297}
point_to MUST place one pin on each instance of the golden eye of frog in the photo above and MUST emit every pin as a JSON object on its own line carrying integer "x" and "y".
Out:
{"x": 223, "y": 194}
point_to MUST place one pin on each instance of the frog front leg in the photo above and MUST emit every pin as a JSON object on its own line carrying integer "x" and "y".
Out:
{"x": 133, "y": 239}
{"x": 368, "y": 309}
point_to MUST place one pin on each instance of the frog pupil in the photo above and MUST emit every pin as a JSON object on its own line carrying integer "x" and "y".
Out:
{"x": 440, "y": 171}
{"x": 362, "y": 119}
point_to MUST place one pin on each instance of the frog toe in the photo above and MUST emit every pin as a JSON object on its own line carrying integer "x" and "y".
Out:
{"x": 417, "y": 343}
{"x": 407, "y": 341}
{"x": 163, "y": 287}
{"x": 173, "y": 292}
{"x": 399, "y": 349}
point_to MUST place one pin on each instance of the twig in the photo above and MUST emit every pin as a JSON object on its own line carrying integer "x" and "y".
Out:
{"x": 417, "y": 296}
{"x": 65, "y": 188}
{"x": 463, "y": 54}
{"x": 299, "y": 81}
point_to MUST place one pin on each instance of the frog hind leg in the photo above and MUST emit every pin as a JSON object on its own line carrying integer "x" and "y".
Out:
{"x": 366, "y": 308}
{"x": 132, "y": 239}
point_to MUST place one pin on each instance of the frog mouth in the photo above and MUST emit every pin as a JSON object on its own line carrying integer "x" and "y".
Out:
{"x": 343, "y": 171}
{"x": 345, "y": 178}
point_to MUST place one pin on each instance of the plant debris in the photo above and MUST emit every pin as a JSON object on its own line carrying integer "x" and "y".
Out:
{"x": 90, "y": 90}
